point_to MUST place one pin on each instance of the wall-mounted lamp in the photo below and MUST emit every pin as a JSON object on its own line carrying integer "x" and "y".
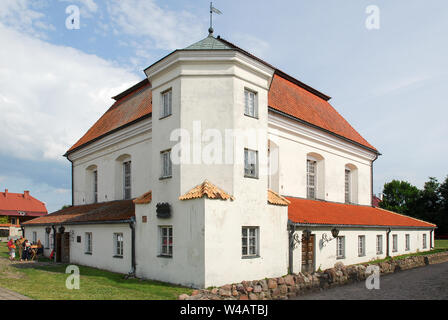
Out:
{"x": 334, "y": 233}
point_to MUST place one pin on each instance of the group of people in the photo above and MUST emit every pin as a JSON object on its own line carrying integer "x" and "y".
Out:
{"x": 24, "y": 248}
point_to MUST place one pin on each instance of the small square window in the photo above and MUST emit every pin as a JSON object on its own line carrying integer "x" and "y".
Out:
{"x": 249, "y": 237}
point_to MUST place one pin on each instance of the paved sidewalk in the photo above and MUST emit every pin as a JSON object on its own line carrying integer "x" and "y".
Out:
{"x": 6, "y": 294}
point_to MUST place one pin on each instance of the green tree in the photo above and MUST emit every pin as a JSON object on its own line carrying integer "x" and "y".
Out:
{"x": 400, "y": 196}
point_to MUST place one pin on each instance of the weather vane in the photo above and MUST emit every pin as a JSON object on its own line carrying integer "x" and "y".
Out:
{"x": 212, "y": 10}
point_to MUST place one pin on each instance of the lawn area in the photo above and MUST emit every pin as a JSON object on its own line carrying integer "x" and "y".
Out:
{"x": 441, "y": 244}
{"x": 47, "y": 282}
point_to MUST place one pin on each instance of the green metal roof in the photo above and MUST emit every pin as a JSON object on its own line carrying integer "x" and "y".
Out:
{"x": 209, "y": 43}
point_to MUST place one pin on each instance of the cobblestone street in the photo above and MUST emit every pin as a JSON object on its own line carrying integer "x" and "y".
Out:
{"x": 430, "y": 282}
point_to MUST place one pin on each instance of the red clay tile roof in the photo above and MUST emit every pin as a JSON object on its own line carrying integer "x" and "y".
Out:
{"x": 207, "y": 189}
{"x": 130, "y": 106}
{"x": 105, "y": 211}
{"x": 327, "y": 213}
{"x": 14, "y": 204}
{"x": 289, "y": 98}
{"x": 276, "y": 199}
{"x": 144, "y": 198}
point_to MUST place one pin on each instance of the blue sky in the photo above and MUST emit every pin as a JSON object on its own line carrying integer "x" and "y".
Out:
{"x": 55, "y": 82}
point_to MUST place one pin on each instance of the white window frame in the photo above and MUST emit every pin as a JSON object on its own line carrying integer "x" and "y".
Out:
{"x": 250, "y": 103}
{"x": 250, "y": 163}
{"x": 95, "y": 186}
{"x": 379, "y": 244}
{"x": 424, "y": 241}
{"x": 311, "y": 179}
{"x": 340, "y": 247}
{"x": 118, "y": 244}
{"x": 250, "y": 238}
{"x": 407, "y": 238}
{"x": 166, "y": 248}
{"x": 88, "y": 246}
{"x": 166, "y": 164}
{"x": 127, "y": 188}
{"x": 166, "y": 105}
{"x": 361, "y": 246}
{"x": 394, "y": 242}
{"x": 348, "y": 185}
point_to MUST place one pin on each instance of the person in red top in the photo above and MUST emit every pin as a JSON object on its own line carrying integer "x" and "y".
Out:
{"x": 12, "y": 250}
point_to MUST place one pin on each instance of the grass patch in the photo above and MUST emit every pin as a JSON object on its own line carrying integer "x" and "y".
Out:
{"x": 47, "y": 282}
{"x": 441, "y": 244}
{"x": 401, "y": 257}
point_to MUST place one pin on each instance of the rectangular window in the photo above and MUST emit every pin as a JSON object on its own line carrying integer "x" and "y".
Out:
{"x": 361, "y": 246}
{"x": 166, "y": 106}
{"x": 166, "y": 241}
{"x": 118, "y": 244}
{"x": 250, "y": 241}
{"x": 250, "y": 163}
{"x": 250, "y": 104}
{"x": 88, "y": 244}
{"x": 47, "y": 240}
{"x": 347, "y": 185}
{"x": 34, "y": 237}
{"x": 408, "y": 244}
{"x": 340, "y": 247}
{"x": 311, "y": 179}
{"x": 95, "y": 186}
{"x": 127, "y": 180}
{"x": 424, "y": 241}
{"x": 51, "y": 242}
{"x": 394, "y": 243}
{"x": 13, "y": 221}
{"x": 166, "y": 164}
{"x": 379, "y": 244}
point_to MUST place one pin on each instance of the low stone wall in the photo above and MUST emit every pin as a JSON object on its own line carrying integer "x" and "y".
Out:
{"x": 296, "y": 284}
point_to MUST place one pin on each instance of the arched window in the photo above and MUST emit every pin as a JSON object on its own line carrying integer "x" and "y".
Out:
{"x": 123, "y": 174}
{"x": 351, "y": 183}
{"x": 91, "y": 184}
{"x": 315, "y": 176}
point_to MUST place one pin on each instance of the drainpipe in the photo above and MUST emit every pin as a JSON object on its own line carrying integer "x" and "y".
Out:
{"x": 371, "y": 180}
{"x": 292, "y": 229}
{"x": 133, "y": 264}
{"x": 388, "y": 231}
{"x": 54, "y": 242}
{"x": 23, "y": 231}
{"x": 430, "y": 239}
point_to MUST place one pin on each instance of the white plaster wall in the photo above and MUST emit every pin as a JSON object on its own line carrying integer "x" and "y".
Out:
{"x": 295, "y": 141}
{"x": 223, "y": 244}
{"x": 325, "y": 256}
{"x": 102, "y": 256}
{"x": 186, "y": 266}
{"x": 104, "y": 157}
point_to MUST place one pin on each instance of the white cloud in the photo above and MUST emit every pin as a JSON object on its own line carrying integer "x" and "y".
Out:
{"x": 18, "y": 14}
{"x": 167, "y": 29}
{"x": 50, "y": 95}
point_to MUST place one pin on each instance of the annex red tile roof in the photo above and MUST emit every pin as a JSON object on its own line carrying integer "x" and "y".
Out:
{"x": 287, "y": 97}
{"x": 276, "y": 199}
{"x": 131, "y": 105}
{"x": 144, "y": 198}
{"x": 105, "y": 211}
{"x": 327, "y": 213}
{"x": 20, "y": 204}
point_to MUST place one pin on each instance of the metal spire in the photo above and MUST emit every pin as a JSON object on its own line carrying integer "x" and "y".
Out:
{"x": 212, "y": 10}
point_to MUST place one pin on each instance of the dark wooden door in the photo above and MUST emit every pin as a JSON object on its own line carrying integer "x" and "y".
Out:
{"x": 58, "y": 247}
{"x": 308, "y": 253}
{"x": 65, "y": 254}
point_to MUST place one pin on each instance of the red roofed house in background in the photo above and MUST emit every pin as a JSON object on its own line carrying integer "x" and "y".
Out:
{"x": 271, "y": 178}
{"x": 16, "y": 208}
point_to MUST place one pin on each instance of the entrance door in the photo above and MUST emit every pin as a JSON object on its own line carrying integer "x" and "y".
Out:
{"x": 308, "y": 254}
{"x": 65, "y": 254}
{"x": 58, "y": 247}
